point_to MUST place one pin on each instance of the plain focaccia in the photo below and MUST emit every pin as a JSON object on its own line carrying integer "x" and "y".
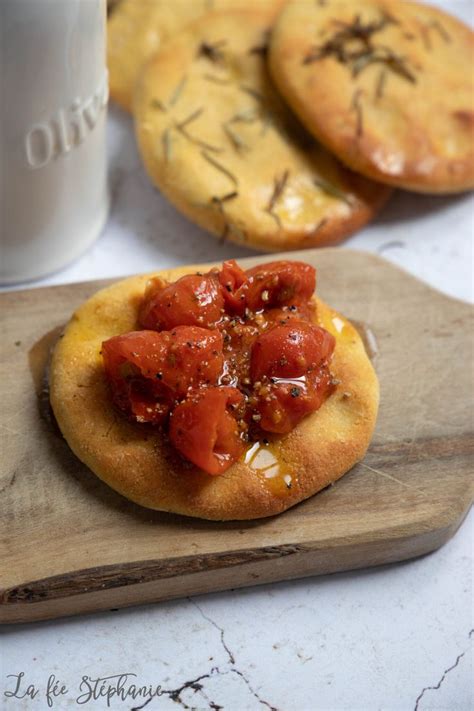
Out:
{"x": 137, "y": 28}
{"x": 403, "y": 113}
{"x": 138, "y": 462}
{"x": 218, "y": 141}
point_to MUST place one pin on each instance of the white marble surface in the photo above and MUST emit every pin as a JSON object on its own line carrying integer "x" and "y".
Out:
{"x": 393, "y": 638}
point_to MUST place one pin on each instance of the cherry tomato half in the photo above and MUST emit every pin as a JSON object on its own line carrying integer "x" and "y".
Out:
{"x": 203, "y": 429}
{"x": 288, "y": 367}
{"x": 148, "y": 370}
{"x": 290, "y": 350}
{"x": 288, "y": 402}
{"x": 280, "y": 284}
{"x": 193, "y": 300}
{"x": 269, "y": 285}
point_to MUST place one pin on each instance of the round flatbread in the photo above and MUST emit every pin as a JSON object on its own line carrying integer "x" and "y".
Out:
{"x": 388, "y": 86}
{"x": 219, "y": 142}
{"x": 137, "y": 28}
{"x": 139, "y": 463}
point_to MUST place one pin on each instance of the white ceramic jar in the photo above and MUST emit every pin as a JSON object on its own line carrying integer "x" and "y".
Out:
{"x": 53, "y": 97}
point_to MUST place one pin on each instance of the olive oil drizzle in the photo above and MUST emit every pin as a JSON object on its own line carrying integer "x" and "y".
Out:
{"x": 265, "y": 459}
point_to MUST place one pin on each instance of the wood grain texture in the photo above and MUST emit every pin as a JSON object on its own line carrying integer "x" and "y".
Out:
{"x": 69, "y": 544}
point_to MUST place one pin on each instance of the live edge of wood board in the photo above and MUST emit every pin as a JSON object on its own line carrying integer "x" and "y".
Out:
{"x": 71, "y": 545}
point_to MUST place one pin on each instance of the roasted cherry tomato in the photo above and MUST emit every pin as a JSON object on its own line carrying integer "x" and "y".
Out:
{"x": 280, "y": 284}
{"x": 231, "y": 278}
{"x": 148, "y": 371}
{"x": 289, "y": 371}
{"x": 287, "y": 402}
{"x": 193, "y": 300}
{"x": 290, "y": 350}
{"x": 269, "y": 285}
{"x": 205, "y": 431}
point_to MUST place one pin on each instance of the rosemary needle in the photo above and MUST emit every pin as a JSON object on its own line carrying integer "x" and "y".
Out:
{"x": 181, "y": 126}
{"x": 218, "y": 166}
{"x": 178, "y": 91}
{"x": 213, "y": 52}
{"x": 244, "y": 116}
{"x": 157, "y": 104}
{"x": 332, "y": 190}
{"x": 436, "y": 24}
{"x": 224, "y": 198}
{"x": 357, "y": 107}
{"x": 252, "y": 92}
{"x": 216, "y": 79}
{"x": 278, "y": 189}
{"x": 192, "y": 117}
{"x": 166, "y": 142}
{"x": 219, "y": 201}
{"x": 380, "y": 84}
{"x": 235, "y": 139}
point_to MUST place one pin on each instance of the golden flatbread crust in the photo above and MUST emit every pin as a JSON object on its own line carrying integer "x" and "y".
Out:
{"x": 141, "y": 465}
{"x": 406, "y": 118}
{"x": 219, "y": 142}
{"x": 137, "y": 28}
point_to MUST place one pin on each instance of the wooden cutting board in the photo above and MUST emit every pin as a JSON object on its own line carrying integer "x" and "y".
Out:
{"x": 70, "y": 544}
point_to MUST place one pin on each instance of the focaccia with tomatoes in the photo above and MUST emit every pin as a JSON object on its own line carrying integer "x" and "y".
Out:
{"x": 217, "y": 393}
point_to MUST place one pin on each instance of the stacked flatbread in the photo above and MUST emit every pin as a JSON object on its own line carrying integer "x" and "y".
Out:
{"x": 283, "y": 124}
